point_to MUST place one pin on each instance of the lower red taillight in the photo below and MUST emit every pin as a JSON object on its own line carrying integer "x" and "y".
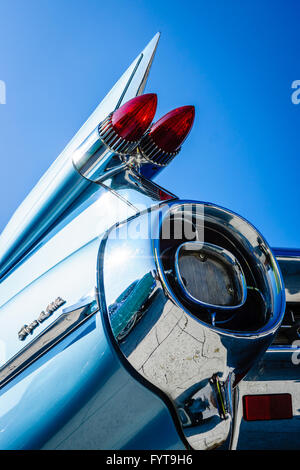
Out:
{"x": 164, "y": 140}
{"x": 266, "y": 407}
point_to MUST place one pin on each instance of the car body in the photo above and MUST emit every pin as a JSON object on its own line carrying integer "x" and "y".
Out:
{"x": 120, "y": 330}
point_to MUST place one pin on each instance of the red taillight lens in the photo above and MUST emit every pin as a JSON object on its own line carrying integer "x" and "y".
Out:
{"x": 133, "y": 118}
{"x": 172, "y": 129}
{"x": 266, "y": 407}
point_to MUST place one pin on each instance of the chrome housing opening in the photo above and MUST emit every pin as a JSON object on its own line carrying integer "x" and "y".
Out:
{"x": 219, "y": 268}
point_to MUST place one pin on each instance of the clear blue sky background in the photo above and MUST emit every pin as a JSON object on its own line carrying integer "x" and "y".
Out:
{"x": 234, "y": 60}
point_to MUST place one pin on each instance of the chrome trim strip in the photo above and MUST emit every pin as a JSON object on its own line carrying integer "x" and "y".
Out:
{"x": 65, "y": 324}
{"x": 112, "y": 140}
{"x": 283, "y": 348}
{"x": 286, "y": 252}
{"x": 153, "y": 154}
{"x": 86, "y": 301}
{"x": 44, "y": 315}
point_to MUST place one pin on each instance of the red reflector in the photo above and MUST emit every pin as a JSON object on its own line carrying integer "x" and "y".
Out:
{"x": 265, "y": 407}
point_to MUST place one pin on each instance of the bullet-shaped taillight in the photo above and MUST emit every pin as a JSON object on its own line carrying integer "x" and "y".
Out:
{"x": 166, "y": 136}
{"x": 133, "y": 118}
{"x": 106, "y": 150}
{"x": 122, "y": 130}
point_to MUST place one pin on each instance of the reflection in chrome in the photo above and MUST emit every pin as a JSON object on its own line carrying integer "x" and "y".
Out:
{"x": 168, "y": 338}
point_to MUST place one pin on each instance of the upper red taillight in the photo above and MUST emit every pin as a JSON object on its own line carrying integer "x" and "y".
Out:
{"x": 133, "y": 118}
{"x": 170, "y": 131}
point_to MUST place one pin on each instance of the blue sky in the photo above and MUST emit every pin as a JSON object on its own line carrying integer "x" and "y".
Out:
{"x": 234, "y": 60}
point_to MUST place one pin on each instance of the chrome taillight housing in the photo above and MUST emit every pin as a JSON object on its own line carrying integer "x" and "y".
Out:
{"x": 168, "y": 324}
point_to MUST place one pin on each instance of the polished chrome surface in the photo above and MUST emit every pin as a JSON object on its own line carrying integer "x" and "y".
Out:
{"x": 206, "y": 272}
{"x": 62, "y": 184}
{"x": 153, "y": 154}
{"x": 112, "y": 140}
{"x": 137, "y": 190}
{"x": 103, "y": 153}
{"x": 229, "y": 231}
{"x": 194, "y": 362}
{"x": 95, "y": 161}
{"x": 145, "y": 166}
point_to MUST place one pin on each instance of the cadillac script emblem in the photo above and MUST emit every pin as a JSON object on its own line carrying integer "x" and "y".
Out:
{"x": 28, "y": 329}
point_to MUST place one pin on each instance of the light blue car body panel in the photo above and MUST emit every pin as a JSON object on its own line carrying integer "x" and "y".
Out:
{"x": 79, "y": 396}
